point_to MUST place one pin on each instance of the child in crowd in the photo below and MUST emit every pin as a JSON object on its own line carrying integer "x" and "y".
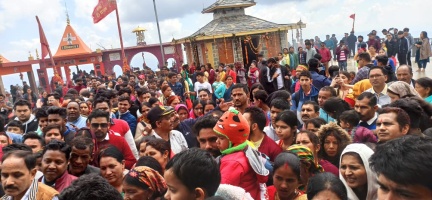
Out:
{"x": 14, "y": 126}
{"x": 240, "y": 165}
{"x": 349, "y": 121}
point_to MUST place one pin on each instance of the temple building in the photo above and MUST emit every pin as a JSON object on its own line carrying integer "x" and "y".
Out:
{"x": 232, "y": 36}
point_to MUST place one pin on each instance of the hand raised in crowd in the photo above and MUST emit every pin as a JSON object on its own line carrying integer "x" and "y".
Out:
{"x": 224, "y": 106}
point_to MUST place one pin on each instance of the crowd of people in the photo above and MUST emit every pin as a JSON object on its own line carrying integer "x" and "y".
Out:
{"x": 288, "y": 127}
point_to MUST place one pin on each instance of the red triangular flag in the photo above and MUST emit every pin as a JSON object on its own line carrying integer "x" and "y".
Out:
{"x": 43, "y": 40}
{"x": 102, "y": 9}
{"x": 352, "y": 16}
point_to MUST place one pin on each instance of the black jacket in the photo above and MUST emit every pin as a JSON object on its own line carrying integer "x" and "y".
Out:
{"x": 403, "y": 46}
{"x": 286, "y": 82}
{"x": 263, "y": 79}
{"x": 391, "y": 48}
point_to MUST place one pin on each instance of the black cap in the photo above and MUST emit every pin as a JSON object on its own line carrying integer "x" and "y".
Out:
{"x": 157, "y": 112}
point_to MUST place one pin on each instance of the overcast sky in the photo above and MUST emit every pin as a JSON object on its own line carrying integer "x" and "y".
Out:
{"x": 180, "y": 18}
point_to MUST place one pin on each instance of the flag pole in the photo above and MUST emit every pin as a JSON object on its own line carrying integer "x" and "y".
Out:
{"x": 353, "y": 23}
{"x": 123, "y": 55}
{"x": 160, "y": 39}
{"x": 49, "y": 50}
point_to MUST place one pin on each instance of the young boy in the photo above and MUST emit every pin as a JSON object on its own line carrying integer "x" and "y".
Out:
{"x": 14, "y": 126}
{"x": 124, "y": 104}
{"x": 235, "y": 163}
{"x": 200, "y": 84}
{"x": 349, "y": 121}
{"x": 181, "y": 175}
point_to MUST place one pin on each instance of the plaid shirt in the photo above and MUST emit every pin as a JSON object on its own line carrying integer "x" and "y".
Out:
{"x": 361, "y": 74}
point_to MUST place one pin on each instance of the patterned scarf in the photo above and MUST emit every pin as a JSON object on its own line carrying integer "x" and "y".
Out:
{"x": 150, "y": 177}
{"x": 305, "y": 154}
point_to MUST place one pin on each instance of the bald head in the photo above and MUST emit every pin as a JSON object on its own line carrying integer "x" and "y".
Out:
{"x": 404, "y": 73}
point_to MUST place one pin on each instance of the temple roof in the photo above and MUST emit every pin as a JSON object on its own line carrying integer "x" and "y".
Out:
{"x": 71, "y": 44}
{"x": 220, "y": 4}
{"x": 236, "y": 24}
{"x": 3, "y": 59}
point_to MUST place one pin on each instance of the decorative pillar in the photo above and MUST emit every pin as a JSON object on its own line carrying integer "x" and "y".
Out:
{"x": 2, "y": 89}
{"x": 67, "y": 74}
{"x": 32, "y": 81}
{"x": 43, "y": 77}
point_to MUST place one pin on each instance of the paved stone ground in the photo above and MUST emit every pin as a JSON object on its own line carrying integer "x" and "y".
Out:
{"x": 427, "y": 73}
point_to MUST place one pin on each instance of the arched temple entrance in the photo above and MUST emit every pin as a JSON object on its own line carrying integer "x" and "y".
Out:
{"x": 112, "y": 57}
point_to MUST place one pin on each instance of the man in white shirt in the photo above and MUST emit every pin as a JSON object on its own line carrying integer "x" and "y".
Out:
{"x": 160, "y": 119}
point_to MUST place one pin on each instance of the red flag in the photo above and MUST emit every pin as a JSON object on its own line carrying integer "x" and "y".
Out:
{"x": 43, "y": 40}
{"x": 102, "y": 9}
{"x": 352, "y": 16}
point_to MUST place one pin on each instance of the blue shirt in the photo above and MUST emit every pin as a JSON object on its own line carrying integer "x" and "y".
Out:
{"x": 80, "y": 122}
{"x": 177, "y": 89}
{"x": 325, "y": 116}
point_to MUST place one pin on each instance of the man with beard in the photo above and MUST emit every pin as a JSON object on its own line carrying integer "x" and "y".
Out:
{"x": 203, "y": 129}
{"x": 53, "y": 99}
{"x": 378, "y": 78}
{"x": 366, "y": 106}
{"x": 141, "y": 82}
{"x": 55, "y": 159}
{"x": 18, "y": 178}
{"x": 360, "y": 42}
{"x": 79, "y": 85}
{"x": 240, "y": 96}
{"x": 160, "y": 119}
{"x": 257, "y": 120}
{"x": 117, "y": 126}
{"x": 309, "y": 110}
{"x": 99, "y": 123}
{"x": 81, "y": 157}
{"x": 58, "y": 116}
{"x": 23, "y": 114}
{"x": 74, "y": 117}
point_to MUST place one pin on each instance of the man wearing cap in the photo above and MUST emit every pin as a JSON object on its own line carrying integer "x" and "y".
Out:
{"x": 162, "y": 127}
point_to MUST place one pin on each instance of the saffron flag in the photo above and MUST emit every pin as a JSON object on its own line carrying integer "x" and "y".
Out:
{"x": 352, "y": 16}
{"x": 102, "y": 9}
{"x": 43, "y": 40}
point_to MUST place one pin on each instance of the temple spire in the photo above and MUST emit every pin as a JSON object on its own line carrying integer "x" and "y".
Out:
{"x": 67, "y": 15}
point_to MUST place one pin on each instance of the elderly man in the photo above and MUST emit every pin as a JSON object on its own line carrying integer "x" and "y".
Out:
{"x": 18, "y": 178}
{"x": 404, "y": 73}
